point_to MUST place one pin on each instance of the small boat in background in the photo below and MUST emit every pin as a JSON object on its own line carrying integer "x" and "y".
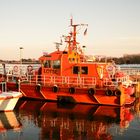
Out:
{"x": 8, "y": 99}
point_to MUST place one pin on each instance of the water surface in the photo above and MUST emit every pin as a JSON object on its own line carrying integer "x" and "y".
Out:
{"x": 38, "y": 120}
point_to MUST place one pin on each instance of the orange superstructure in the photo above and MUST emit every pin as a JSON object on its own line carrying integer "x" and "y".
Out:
{"x": 71, "y": 76}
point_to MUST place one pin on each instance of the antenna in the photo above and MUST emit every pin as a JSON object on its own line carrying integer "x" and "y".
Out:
{"x": 57, "y": 45}
{"x": 73, "y": 41}
{"x": 71, "y": 21}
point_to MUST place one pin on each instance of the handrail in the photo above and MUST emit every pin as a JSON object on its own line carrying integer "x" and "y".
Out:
{"x": 57, "y": 80}
{"x": 3, "y": 86}
{"x": 69, "y": 80}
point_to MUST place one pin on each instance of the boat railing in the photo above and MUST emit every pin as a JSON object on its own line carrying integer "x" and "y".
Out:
{"x": 115, "y": 81}
{"x": 60, "y": 80}
{"x": 122, "y": 79}
{"x": 131, "y": 71}
{"x": 68, "y": 80}
{"x": 108, "y": 82}
{"x": 3, "y": 86}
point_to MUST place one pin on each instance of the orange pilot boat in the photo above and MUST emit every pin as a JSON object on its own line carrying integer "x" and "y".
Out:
{"x": 71, "y": 76}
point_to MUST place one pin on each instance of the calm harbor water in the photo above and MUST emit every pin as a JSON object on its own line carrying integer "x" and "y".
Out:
{"x": 38, "y": 120}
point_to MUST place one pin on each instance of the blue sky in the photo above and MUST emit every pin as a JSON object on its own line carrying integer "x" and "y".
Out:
{"x": 113, "y": 26}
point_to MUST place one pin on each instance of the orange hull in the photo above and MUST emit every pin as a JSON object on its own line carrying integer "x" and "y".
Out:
{"x": 130, "y": 90}
{"x": 79, "y": 96}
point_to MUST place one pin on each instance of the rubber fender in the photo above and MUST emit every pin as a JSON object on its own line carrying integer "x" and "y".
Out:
{"x": 91, "y": 91}
{"x": 109, "y": 92}
{"x": 117, "y": 92}
{"x": 71, "y": 90}
{"x": 55, "y": 88}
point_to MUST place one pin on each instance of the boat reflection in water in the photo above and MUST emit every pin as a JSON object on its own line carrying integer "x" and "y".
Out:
{"x": 72, "y": 122}
{"x": 9, "y": 122}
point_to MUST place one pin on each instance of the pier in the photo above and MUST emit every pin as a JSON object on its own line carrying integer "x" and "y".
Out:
{"x": 132, "y": 71}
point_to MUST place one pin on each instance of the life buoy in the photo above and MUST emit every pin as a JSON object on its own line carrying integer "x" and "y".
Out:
{"x": 71, "y": 90}
{"x": 117, "y": 92}
{"x": 38, "y": 87}
{"x": 91, "y": 91}
{"x": 110, "y": 68}
{"x": 108, "y": 92}
{"x": 29, "y": 69}
{"x": 55, "y": 88}
{"x": 15, "y": 69}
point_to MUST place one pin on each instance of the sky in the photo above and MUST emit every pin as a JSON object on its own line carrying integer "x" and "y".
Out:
{"x": 113, "y": 26}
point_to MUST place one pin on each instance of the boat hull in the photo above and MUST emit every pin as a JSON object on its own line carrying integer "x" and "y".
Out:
{"x": 71, "y": 95}
{"x": 8, "y": 100}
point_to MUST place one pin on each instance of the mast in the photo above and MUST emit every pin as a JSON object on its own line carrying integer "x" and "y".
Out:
{"x": 75, "y": 52}
{"x": 73, "y": 36}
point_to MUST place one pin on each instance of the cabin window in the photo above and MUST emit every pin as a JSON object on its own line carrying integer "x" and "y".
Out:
{"x": 76, "y": 69}
{"x": 47, "y": 64}
{"x": 84, "y": 70}
{"x": 56, "y": 64}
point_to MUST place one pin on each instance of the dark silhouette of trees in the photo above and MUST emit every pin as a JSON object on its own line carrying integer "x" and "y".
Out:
{"x": 126, "y": 59}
